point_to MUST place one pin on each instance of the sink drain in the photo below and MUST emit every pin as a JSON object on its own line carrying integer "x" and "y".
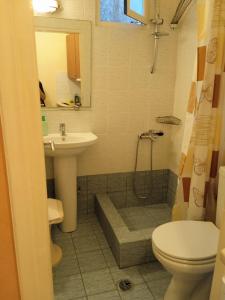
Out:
{"x": 125, "y": 284}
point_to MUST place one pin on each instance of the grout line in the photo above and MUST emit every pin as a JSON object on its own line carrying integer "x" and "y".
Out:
{"x": 107, "y": 263}
{"x": 79, "y": 269}
{"x": 146, "y": 283}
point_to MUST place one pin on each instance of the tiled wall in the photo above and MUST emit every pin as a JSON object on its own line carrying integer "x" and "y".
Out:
{"x": 172, "y": 188}
{"x": 126, "y": 97}
{"x": 119, "y": 186}
{"x": 159, "y": 186}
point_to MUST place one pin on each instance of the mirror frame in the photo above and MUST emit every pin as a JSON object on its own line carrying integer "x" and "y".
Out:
{"x": 50, "y": 24}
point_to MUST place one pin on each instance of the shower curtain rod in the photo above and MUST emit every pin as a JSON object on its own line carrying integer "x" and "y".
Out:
{"x": 183, "y": 5}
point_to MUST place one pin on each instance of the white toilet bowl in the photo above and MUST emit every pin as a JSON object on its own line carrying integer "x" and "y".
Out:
{"x": 55, "y": 216}
{"x": 187, "y": 249}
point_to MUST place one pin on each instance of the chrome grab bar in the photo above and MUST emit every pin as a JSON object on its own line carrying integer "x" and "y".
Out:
{"x": 50, "y": 143}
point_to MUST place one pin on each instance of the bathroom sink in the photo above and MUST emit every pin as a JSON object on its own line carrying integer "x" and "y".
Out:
{"x": 64, "y": 150}
{"x": 70, "y": 144}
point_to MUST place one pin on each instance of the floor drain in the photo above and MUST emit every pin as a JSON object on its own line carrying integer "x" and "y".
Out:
{"x": 125, "y": 284}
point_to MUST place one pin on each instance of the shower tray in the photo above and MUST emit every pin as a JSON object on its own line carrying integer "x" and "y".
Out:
{"x": 129, "y": 230}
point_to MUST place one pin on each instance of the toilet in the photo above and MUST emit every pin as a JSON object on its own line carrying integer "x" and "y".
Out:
{"x": 187, "y": 250}
{"x": 55, "y": 216}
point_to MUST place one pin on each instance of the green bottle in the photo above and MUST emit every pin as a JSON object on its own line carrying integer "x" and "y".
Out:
{"x": 44, "y": 125}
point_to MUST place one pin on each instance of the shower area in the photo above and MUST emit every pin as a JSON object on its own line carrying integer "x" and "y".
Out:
{"x": 128, "y": 224}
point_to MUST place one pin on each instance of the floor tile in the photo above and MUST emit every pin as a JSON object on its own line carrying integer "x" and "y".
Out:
{"x": 87, "y": 218}
{"x": 67, "y": 266}
{"x": 91, "y": 261}
{"x": 109, "y": 258}
{"x": 98, "y": 282}
{"x": 102, "y": 240}
{"x": 158, "y": 287}
{"x": 56, "y": 233}
{"x": 137, "y": 292}
{"x": 84, "y": 229}
{"x": 68, "y": 288}
{"x": 153, "y": 271}
{"x": 128, "y": 273}
{"x": 86, "y": 243}
{"x": 113, "y": 295}
{"x": 66, "y": 245}
{"x": 97, "y": 227}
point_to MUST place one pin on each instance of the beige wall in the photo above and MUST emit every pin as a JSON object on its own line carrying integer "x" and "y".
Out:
{"x": 186, "y": 53}
{"x": 126, "y": 97}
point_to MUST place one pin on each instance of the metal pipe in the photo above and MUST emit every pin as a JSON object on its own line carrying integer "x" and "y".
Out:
{"x": 182, "y": 6}
{"x": 156, "y": 43}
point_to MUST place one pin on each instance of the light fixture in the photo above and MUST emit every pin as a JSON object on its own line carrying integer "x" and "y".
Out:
{"x": 45, "y": 6}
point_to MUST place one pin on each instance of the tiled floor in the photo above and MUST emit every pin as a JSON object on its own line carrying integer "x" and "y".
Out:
{"x": 88, "y": 269}
{"x": 140, "y": 217}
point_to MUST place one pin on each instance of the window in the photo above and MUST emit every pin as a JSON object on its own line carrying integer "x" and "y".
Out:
{"x": 125, "y": 11}
{"x": 138, "y": 9}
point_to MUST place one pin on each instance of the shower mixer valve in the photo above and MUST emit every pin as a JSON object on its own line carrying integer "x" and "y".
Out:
{"x": 151, "y": 134}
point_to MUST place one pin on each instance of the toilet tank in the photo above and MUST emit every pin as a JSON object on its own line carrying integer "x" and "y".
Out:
{"x": 220, "y": 211}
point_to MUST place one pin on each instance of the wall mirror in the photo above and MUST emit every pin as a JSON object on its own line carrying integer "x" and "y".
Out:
{"x": 63, "y": 49}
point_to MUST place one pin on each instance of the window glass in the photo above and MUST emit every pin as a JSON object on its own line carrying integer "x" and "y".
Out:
{"x": 113, "y": 11}
{"x": 137, "y": 6}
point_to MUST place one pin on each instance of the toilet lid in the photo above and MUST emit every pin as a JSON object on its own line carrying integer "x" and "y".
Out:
{"x": 188, "y": 240}
{"x": 55, "y": 211}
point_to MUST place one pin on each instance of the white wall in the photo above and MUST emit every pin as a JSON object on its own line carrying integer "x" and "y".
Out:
{"x": 186, "y": 54}
{"x": 126, "y": 97}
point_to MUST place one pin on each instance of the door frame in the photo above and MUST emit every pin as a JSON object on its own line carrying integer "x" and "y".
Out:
{"x": 24, "y": 155}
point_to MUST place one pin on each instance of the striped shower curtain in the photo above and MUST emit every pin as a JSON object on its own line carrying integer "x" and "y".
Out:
{"x": 196, "y": 199}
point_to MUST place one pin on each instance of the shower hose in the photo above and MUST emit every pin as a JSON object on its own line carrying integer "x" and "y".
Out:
{"x": 144, "y": 195}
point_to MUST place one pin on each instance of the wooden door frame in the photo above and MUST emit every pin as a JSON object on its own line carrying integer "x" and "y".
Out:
{"x": 9, "y": 281}
{"x": 24, "y": 156}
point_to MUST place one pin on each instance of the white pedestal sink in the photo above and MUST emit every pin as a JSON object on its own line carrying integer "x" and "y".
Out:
{"x": 65, "y": 170}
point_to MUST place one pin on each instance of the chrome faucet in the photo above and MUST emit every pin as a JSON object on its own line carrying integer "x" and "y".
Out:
{"x": 62, "y": 129}
{"x": 151, "y": 134}
{"x": 51, "y": 144}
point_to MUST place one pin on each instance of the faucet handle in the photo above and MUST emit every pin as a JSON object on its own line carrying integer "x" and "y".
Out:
{"x": 50, "y": 143}
{"x": 62, "y": 125}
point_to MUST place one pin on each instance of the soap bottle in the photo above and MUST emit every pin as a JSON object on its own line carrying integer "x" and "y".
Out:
{"x": 44, "y": 125}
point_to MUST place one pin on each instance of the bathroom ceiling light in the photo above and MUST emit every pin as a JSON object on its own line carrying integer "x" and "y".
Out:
{"x": 45, "y": 6}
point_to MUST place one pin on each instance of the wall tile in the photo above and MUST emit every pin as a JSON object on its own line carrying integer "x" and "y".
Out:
{"x": 122, "y": 56}
{"x": 50, "y": 188}
{"x": 97, "y": 184}
{"x": 116, "y": 182}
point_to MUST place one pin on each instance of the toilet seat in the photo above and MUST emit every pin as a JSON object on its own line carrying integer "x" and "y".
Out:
{"x": 55, "y": 211}
{"x": 187, "y": 242}
{"x": 183, "y": 261}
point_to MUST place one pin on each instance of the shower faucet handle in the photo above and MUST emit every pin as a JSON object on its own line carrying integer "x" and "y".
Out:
{"x": 151, "y": 134}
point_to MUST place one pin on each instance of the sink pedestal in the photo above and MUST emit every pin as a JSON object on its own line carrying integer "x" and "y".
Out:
{"x": 64, "y": 150}
{"x": 65, "y": 172}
